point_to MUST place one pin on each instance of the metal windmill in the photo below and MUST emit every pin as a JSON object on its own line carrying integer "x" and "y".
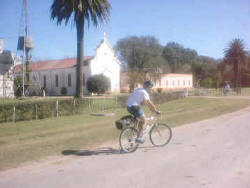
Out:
{"x": 25, "y": 44}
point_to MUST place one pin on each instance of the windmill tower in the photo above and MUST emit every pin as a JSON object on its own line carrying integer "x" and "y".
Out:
{"x": 25, "y": 44}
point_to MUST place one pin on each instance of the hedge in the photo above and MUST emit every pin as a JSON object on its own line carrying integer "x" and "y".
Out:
{"x": 62, "y": 107}
{"x": 157, "y": 98}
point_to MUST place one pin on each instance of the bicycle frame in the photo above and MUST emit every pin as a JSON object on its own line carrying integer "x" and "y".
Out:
{"x": 151, "y": 120}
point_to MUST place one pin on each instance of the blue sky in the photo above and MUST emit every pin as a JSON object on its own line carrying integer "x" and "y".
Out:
{"x": 206, "y": 26}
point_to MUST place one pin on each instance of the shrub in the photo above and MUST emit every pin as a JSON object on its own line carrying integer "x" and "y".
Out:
{"x": 208, "y": 83}
{"x": 98, "y": 84}
{"x": 64, "y": 91}
{"x": 159, "y": 90}
{"x": 18, "y": 86}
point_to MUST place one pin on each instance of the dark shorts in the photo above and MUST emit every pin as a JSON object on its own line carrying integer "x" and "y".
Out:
{"x": 135, "y": 110}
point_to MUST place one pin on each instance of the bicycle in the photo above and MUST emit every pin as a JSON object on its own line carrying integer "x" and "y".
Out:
{"x": 160, "y": 134}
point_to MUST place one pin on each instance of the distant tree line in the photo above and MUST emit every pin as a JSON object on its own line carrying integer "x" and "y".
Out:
{"x": 144, "y": 55}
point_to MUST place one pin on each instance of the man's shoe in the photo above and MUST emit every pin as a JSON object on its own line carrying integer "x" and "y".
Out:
{"x": 140, "y": 140}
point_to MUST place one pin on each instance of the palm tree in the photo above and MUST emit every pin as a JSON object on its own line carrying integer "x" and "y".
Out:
{"x": 235, "y": 55}
{"x": 94, "y": 11}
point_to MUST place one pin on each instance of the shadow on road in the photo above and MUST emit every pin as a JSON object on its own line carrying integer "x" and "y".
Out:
{"x": 103, "y": 151}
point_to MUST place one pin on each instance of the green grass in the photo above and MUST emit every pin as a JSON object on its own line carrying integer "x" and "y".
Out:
{"x": 33, "y": 140}
{"x": 217, "y": 92}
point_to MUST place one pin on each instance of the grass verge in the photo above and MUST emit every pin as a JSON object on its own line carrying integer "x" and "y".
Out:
{"x": 32, "y": 140}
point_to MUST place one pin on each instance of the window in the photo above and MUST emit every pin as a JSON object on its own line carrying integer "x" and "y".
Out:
{"x": 83, "y": 79}
{"x": 44, "y": 81}
{"x": 167, "y": 83}
{"x": 183, "y": 82}
{"x": 173, "y": 82}
{"x": 57, "y": 81}
{"x": 189, "y": 83}
{"x": 69, "y": 80}
{"x": 178, "y": 82}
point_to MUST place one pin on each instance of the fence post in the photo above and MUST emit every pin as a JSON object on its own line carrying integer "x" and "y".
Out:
{"x": 74, "y": 106}
{"x": 14, "y": 114}
{"x": 57, "y": 108}
{"x": 103, "y": 103}
{"x": 116, "y": 102}
{"x": 36, "y": 112}
{"x": 89, "y": 105}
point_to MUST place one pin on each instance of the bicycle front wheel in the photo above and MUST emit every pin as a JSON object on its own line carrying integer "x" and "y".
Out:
{"x": 160, "y": 134}
{"x": 127, "y": 139}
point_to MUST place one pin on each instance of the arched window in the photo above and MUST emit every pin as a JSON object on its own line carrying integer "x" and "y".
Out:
{"x": 69, "y": 80}
{"x": 44, "y": 81}
{"x": 57, "y": 81}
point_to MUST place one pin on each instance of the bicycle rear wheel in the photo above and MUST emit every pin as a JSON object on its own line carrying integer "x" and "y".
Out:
{"x": 127, "y": 139}
{"x": 160, "y": 134}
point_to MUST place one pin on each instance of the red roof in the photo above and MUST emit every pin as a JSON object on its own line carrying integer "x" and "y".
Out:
{"x": 52, "y": 64}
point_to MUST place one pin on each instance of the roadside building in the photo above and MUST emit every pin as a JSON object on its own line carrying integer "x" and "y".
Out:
{"x": 163, "y": 82}
{"x": 58, "y": 77}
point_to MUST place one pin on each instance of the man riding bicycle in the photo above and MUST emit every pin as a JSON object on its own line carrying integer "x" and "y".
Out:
{"x": 136, "y": 99}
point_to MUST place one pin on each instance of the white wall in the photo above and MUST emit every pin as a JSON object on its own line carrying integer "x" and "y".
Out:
{"x": 106, "y": 63}
{"x": 175, "y": 81}
{"x": 6, "y": 86}
{"x": 52, "y": 89}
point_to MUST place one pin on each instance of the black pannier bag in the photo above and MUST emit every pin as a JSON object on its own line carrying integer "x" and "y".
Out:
{"x": 124, "y": 122}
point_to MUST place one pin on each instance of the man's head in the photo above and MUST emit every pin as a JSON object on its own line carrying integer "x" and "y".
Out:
{"x": 148, "y": 85}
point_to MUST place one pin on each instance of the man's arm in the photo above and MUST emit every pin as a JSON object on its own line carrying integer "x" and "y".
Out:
{"x": 151, "y": 106}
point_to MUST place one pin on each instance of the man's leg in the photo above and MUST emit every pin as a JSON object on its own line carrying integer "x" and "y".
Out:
{"x": 142, "y": 123}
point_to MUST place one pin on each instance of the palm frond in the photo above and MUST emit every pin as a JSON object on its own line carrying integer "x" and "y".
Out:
{"x": 95, "y": 11}
{"x": 235, "y": 50}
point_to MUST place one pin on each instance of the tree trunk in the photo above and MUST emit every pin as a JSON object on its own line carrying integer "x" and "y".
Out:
{"x": 235, "y": 75}
{"x": 80, "y": 58}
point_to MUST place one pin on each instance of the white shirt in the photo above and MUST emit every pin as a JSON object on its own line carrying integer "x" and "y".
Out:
{"x": 137, "y": 97}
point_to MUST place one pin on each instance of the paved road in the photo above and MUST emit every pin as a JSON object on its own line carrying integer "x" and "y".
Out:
{"x": 214, "y": 153}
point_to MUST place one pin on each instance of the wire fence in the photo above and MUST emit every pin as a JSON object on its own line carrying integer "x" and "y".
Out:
{"x": 219, "y": 92}
{"x": 54, "y": 108}
{"x": 34, "y": 110}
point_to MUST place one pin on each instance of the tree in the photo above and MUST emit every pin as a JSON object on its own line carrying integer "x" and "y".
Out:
{"x": 98, "y": 84}
{"x": 186, "y": 60}
{"x": 235, "y": 55}
{"x": 141, "y": 55}
{"x": 94, "y": 11}
{"x": 177, "y": 56}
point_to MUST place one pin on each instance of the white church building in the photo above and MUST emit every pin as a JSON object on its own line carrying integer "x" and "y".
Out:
{"x": 58, "y": 77}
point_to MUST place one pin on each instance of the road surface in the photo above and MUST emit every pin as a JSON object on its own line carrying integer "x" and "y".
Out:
{"x": 214, "y": 153}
